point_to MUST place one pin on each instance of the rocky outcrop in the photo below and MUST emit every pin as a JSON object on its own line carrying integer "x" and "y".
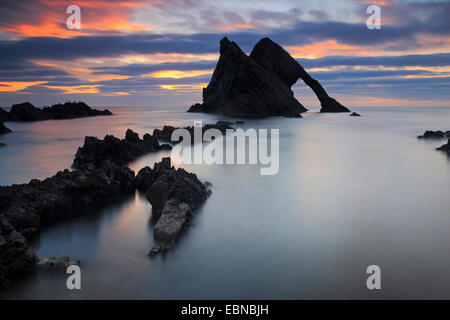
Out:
{"x": 429, "y": 134}
{"x": 241, "y": 87}
{"x": 445, "y": 147}
{"x": 120, "y": 151}
{"x": 165, "y": 134}
{"x": 174, "y": 194}
{"x": 355, "y": 114}
{"x": 259, "y": 84}
{"x": 68, "y": 110}
{"x": 16, "y": 257}
{"x": 4, "y": 129}
{"x": 274, "y": 58}
{"x": 25, "y": 208}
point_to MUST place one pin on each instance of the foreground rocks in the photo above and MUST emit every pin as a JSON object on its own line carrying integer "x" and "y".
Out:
{"x": 445, "y": 147}
{"x": 259, "y": 84}
{"x": 56, "y": 264}
{"x": 165, "y": 134}
{"x": 119, "y": 151}
{"x": 68, "y": 110}
{"x": 174, "y": 194}
{"x": 4, "y": 129}
{"x": 435, "y": 135}
{"x": 100, "y": 176}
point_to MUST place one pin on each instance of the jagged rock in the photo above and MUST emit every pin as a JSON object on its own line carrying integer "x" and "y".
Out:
{"x": 274, "y": 58}
{"x": 4, "y": 129}
{"x": 173, "y": 194}
{"x": 241, "y": 87}
{"x": 166, "y": 133}
{"x": 354, "y": 114}
{"x": 445, "y": 147}
{"x": 68, "y": 110}
{"x": 16, "y": 257}
{"x": 94, "y": 151}
{"x": 259, "y": 84}
{"x": 56, "y": 264}
{"x": 434, "y": 135}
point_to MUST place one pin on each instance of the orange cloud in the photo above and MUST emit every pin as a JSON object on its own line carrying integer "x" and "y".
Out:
{"x": 183, "y": 87}
{"x": 325, "y": 48}
{"x": 77, "y": 89}
{"x": 13, "y": 86}
{"x": 177, "y": 74}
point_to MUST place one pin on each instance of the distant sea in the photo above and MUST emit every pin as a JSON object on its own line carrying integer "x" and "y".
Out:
{"x": 350, "y": 192}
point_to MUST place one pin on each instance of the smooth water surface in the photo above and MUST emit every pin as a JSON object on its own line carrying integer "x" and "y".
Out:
{"x": 350, "y": 192}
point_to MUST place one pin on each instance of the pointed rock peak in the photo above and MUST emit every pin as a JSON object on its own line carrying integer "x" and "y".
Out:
{"x": 228, "y": 47}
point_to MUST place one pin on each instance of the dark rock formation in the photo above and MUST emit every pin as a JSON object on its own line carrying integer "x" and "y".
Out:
{"x": 4, "y": 115}
{"x": 354, "y": 114}
{"x": 435, "y": 135}
{"x": 445, "y": 147}
{"x": 16, "y": 257}
{"x": 241, "y": 87}
{"x": 95, "y": 151}
{"x": 173, "y": 194}
{"x": 25, "y": 208}
{"x": 2, "y": 145}
{"x": 4, "y": 129}
{"x": 69, "y": 110}
{"x": 275, "y": 59}
{"x": 165, "y": 134}
{"x": 259, "y": 84}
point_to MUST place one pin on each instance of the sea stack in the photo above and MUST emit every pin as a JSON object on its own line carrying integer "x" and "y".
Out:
{"x": 259, "y": 84}
{"x": 241, "y": 87}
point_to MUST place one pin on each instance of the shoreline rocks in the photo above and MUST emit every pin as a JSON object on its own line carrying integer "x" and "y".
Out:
{"x": 355, "y": 114}
{"x": 445, "y": 147}
{"x": 68, "y": 110}
{"x": 120, "y": 151}
{"x": 259, "y": 85}
{"x": 429, "y": 134}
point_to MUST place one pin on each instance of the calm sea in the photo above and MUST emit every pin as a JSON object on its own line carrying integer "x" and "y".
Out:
{"x": 350, "y": 192}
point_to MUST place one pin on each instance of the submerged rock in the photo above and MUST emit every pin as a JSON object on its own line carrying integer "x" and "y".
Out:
{"x": 241, "y": 87}
{"x": 94, "y": 151}
{"x": 354, "y": 114}
{"x": 68, "y": 110}
{"x": 4, "y": 129}
{"x": 429, "y": 134}
{"x": 445, "y": 147}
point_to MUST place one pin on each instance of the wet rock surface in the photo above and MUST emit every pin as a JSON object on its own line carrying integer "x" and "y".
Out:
{"x": 260, "y": 84}
{"x": 56, "y": 264}
{"x": 174, "y": 194}
{"x": 68, "y": 110}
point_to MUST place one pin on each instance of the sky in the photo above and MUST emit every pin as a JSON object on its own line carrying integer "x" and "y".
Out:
{"x": 163, "y": 52}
